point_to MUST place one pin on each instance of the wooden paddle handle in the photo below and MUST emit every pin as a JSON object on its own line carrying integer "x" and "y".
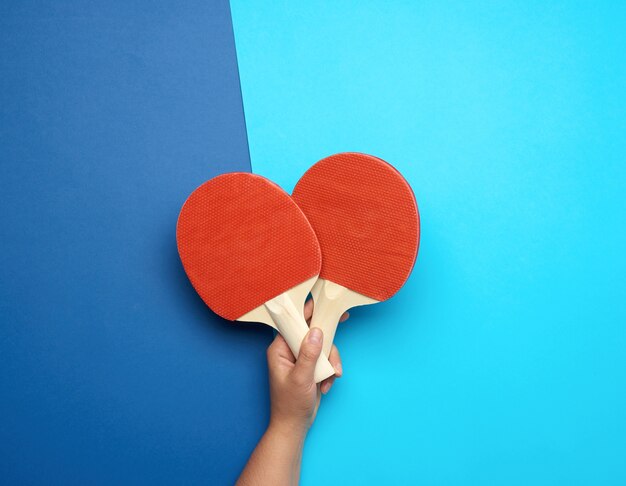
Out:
{"x": 292, "y": 326}
{"x": 326, "y": 317}
{"x": 331, "y": 301}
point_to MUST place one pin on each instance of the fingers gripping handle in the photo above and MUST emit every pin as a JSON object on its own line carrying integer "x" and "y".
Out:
{"x": 292, "y": 326}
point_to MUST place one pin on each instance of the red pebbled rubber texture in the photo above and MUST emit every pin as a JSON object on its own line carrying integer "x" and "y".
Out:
{"x": 366, "y": 220}
{"x": 243, "y": 241}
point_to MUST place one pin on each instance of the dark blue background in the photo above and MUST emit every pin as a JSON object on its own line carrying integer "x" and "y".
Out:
{"x": 113, "y": 370}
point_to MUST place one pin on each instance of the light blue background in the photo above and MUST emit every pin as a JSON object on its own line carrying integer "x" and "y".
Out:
{"x": 502, "y": 361}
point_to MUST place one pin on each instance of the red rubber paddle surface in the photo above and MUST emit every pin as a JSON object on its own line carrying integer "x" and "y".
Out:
{"x": 243, "y": 241}
{"x": 366, "y": 219}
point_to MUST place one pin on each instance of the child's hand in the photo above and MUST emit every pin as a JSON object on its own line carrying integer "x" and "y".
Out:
{"x": 295, "y": 396}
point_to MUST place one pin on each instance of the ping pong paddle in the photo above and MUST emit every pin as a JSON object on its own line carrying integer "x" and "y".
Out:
{"x": 251, "y": 254}
{"x": 366, "y": 220}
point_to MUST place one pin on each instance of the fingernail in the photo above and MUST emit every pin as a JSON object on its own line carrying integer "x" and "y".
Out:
{"x": 315, "y": 335}
{"x": 338, "y": 368}
{"x": 325, "y": 388}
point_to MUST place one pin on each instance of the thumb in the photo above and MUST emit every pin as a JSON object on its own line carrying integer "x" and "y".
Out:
{"x": 310, "y": 350}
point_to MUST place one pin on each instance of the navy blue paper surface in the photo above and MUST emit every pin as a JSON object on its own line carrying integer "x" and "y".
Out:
{"x": 112, "y": 370}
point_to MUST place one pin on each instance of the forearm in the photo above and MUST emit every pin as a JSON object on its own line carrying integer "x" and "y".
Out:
{"x": 294, "y": 400}
{"x": 276, "y": 458}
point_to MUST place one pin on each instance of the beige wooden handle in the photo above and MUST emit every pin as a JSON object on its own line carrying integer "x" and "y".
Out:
{"x": 292, "y": 326}
{"x": 326, "y": 315}
{"x": 331, "y": 301}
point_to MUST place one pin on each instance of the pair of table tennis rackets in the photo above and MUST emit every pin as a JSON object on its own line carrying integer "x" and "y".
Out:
{"x": 349, "y": 235}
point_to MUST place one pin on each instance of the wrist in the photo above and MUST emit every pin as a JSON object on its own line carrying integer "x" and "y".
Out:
{"x": 292, "y": 431}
